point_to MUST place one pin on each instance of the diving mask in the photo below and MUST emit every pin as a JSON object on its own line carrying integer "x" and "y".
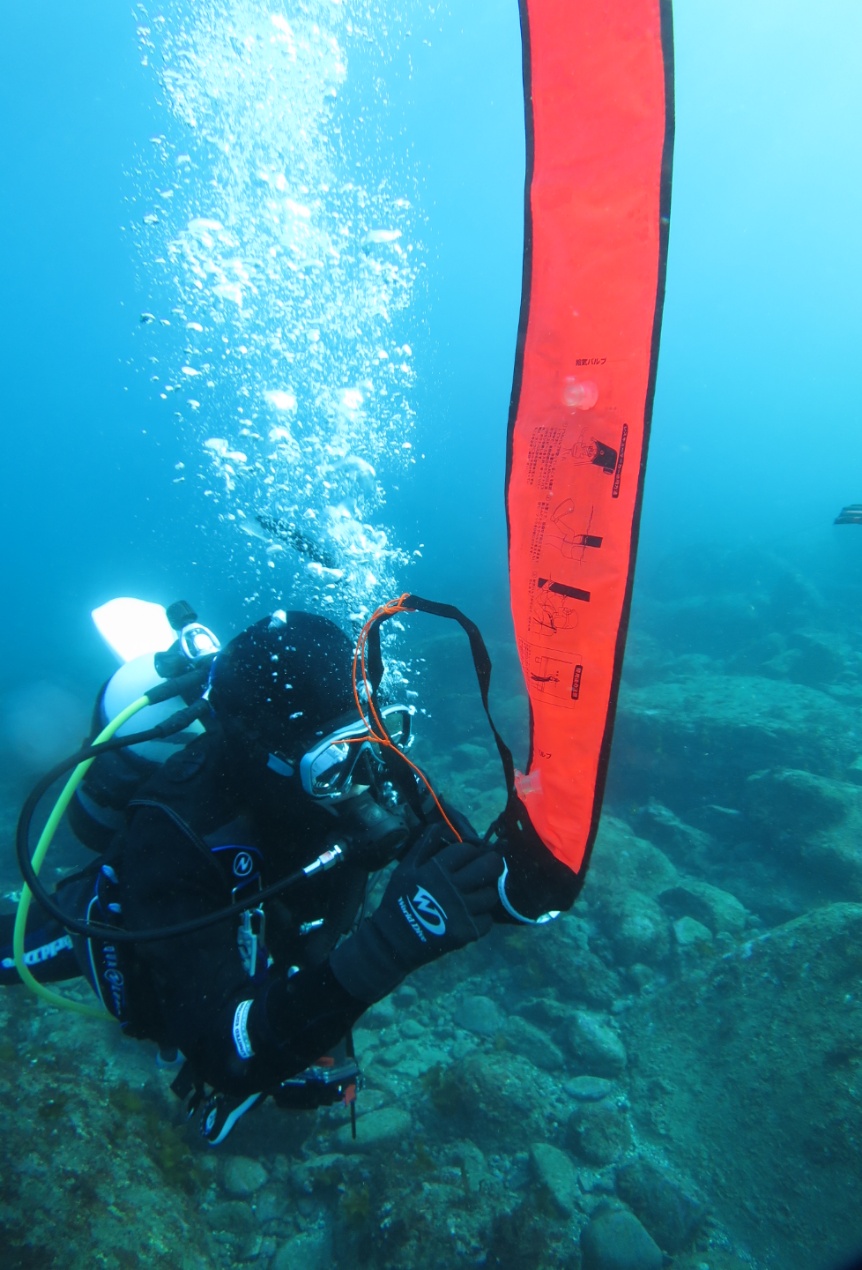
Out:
{"x": 347, "y": 757}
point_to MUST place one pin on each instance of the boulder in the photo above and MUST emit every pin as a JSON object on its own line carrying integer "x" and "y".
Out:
{"x": 813, "y": 822}
{"x": 671, "y": 738}
{"x": 750, "y": 1071}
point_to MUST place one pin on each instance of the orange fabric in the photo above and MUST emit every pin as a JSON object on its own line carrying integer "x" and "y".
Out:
{"x": 598, "y": 201}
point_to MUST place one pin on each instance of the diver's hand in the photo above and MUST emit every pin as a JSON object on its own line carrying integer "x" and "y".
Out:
{"x": 439, "y": 898}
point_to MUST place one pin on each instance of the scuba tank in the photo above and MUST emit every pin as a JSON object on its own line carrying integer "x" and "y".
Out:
{"x": 155, "y": 645}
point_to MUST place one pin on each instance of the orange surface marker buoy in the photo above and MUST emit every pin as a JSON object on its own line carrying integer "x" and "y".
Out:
{"x": 598, "y": 84}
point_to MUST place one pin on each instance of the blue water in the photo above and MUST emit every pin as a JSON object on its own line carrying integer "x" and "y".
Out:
{"x": 756, "y": 434}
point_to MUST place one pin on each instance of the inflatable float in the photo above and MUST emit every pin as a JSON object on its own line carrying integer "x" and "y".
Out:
{"x": 598, "y": 78}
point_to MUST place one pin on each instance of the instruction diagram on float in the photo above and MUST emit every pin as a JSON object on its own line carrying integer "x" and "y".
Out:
{"x": 575, "y": 469}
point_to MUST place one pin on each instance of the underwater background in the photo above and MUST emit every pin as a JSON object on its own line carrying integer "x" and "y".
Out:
{"x": 261, "y": 275}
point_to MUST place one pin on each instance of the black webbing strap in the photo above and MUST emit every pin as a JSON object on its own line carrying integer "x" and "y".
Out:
{"x": 478, "y": 651}
{"x": 537, "y": 882}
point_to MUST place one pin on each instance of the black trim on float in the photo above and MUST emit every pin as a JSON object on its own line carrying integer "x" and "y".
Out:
{"x": 527, "y": 269}
{"x": 526, "y": 291}
{"x": 666, "y": 18}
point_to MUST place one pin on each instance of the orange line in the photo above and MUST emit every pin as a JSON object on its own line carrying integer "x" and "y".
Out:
{"x": 381, "y": 736}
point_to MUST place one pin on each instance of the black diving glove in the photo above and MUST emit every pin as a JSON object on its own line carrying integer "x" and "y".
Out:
{"x": 439, "y": 898}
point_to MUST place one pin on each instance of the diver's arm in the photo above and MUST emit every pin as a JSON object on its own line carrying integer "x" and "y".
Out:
{"x": 241, "y": 1035}
{"x": 245, "y": 1036}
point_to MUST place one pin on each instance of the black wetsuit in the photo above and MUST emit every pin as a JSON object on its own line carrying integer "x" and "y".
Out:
{"x": 193, "y": 845}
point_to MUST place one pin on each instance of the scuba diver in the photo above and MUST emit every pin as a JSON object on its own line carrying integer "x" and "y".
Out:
{"x": 224, "y": 916}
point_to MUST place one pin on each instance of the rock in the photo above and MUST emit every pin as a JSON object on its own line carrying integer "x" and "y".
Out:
{"x": 616, "y": 1240}
{"x": 497, "y": 1097}
{"x": 599, "y": 1132}
{"x": 469, "y": 755}
{"x": 557, "y": 1174}
{"x": 683, "y": 842}
{"x": 471, "y": 1162}
{"x": 674, "y": 736}
{"x": 670, "y": 1214}
{"x": 270, "y": 1205}
{"x": 389, "y": 1125}
{"x": 381, "y": 1015}
{"x": 392, "y": 1055}
{"x": 588, "y": 1088}
{"x": 525, "y": 1038}
{"x": 242, "y": 1175}
{"x": 323, "y": 1172}
{"x": 690, "y": 933}
{"x": 479, "y": 1015}
{"x": 637, "y": 929}
{"x": 715, "y": 908}
{"x": 595, "y": 1046}
{"x": 623, "y": 862}
{"x": 581, "y": 977}
{"x": 798, "y": 801}
{"x": 816, "y": 660}
{"x": 312, "y": 1250}
{"x": 232, "y": 1216}
{"x": 814, "y": 821}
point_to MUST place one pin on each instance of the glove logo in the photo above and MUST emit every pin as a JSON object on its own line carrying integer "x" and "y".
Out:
{"x": 427, "y": 912}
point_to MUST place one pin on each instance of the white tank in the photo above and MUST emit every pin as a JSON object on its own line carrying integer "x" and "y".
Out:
{"x": 131, "y": 681}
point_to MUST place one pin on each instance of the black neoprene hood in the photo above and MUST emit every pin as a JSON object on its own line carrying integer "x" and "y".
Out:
{"x": 279, "y": 682}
